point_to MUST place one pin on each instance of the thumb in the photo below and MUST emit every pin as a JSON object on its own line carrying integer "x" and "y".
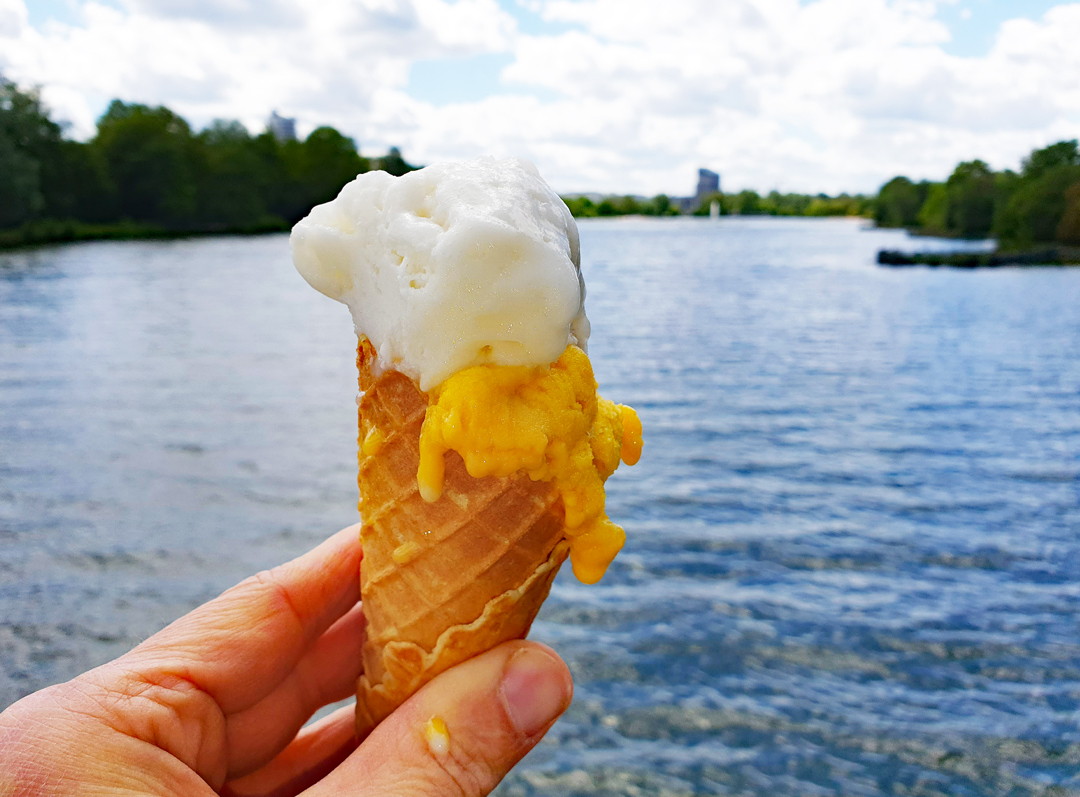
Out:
{"x": 461, "y": 733}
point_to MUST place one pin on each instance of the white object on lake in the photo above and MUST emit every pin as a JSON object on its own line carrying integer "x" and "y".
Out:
{"x": 454, "y": 265}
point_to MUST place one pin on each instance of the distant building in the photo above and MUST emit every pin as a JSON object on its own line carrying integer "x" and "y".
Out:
{"x": 708, "y": 183}
{"x": 283, "y": 128}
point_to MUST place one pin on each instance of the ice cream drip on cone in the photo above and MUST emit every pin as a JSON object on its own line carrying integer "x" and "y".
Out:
{"x": 551, "y": 424}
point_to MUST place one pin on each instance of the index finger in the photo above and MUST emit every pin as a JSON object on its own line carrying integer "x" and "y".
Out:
{"x": 240, "y": 645}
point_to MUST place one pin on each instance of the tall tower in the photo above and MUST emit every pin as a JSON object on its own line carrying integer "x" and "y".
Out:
{"x": 708, "y": 182}
{"x": 283, "y": 128}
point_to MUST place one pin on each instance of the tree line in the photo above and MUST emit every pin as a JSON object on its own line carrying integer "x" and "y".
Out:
{"x": 148, "y": 169}
{"x": 750, "y": 203}
{"x": 583, "y": 207}
{"x": 744, "y": 203}
{"x": 1040, "y": 204}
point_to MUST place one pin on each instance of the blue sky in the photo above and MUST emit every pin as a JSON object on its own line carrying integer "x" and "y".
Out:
{"x": 447, "y": 80}
{"x": 604, "y": 95}
{"x": 974, "y": 23}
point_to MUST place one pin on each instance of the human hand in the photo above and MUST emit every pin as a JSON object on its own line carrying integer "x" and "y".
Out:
{"x": 215, "y": 703}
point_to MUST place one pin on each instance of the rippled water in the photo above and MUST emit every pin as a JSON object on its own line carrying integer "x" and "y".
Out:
{"x": 854, "y": 539}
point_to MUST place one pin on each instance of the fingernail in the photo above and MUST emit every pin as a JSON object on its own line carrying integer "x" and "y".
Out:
{"x": 535, "y": 689}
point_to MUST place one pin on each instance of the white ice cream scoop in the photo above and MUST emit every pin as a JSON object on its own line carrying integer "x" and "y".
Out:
{"x": 454, "y": 265}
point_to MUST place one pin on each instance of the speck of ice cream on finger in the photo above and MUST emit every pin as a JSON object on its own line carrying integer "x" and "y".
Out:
{"x": 437, "y": 736}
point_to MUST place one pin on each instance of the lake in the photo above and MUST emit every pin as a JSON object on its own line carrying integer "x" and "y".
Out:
{"x": 853, "y": 558}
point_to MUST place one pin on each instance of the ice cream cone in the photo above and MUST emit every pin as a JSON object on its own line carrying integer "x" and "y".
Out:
{"x": 446, "y": 580}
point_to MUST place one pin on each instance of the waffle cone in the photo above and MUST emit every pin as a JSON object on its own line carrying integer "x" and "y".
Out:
{"x": 442, "y": 581}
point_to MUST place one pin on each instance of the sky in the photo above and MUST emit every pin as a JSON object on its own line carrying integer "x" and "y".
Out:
{"x": 623, "y": 96}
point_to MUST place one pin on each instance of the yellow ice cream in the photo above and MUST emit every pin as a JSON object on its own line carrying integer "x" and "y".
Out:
{"x": 466, "y": 278}
{"x": 547, "y": 421}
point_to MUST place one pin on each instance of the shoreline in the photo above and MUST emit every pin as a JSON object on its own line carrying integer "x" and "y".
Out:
{"x": 46, "y": 232}
{"x": 1034, "y": 256}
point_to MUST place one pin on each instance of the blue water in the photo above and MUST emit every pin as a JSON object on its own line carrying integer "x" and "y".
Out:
{"x": 853, "y": 563}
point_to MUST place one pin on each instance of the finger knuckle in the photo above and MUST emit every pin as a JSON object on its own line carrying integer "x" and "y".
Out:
{"x": 273, "y": 585}
{"x": 172, "y": 712}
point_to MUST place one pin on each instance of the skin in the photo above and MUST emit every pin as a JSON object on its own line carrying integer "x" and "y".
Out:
{"x": 215, "y": 704}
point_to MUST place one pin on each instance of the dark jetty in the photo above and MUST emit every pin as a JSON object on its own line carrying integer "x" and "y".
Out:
{"x": 1051, "y": 256}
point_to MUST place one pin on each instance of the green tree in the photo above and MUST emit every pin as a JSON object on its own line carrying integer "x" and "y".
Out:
{"x": 934, "y": 214}
{"x": 149, "y": 153}
{"x": 329, "y": 160}
{"x": 971, "y": 196}
{"x": 744, "y": 203}
{"x": 899, "y": 201}
{"x": 281, "y": 165}
{"x": 1068, "y": 231}
{"x": 659, "y": 205}
{"x": 580, "y": 206}
{"x": 25, "y": 132}
{"x": 76, "y": 185}
{"x": 1068, "y": 228}
{"x": 1041, "y": 161}
{"x": 70, "y": 182}
{"x": 20, "y": 184}
{"x": 1032, "y": 207}
{"x": 146, "y": 165}
{"x": 1006, "y": 184}
{"x": 842, "y": 205}
{"x": 1035, "y": 205}
{"x": 606, "y": 208}
{"x": 233, "y": 181}
{"x": 1037, "y": 208}
{"x": 583, "y": 207}
{"x": 787, "y": 204}
{"x": 394, "y": 164}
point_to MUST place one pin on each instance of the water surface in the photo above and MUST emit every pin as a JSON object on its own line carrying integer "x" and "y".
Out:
{"x": 853, "y": 563}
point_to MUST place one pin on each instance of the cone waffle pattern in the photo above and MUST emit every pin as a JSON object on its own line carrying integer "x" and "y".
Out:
{"x": 443, "y": 581}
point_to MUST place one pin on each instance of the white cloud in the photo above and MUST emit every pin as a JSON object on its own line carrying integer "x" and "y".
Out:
{"x": 240, "y": 59}
{"x": 632, "y": 95}
{"x": 837, "y": 94}
{"x": 12, "y": 18}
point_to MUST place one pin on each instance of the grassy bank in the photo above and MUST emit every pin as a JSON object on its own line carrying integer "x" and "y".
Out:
{"x": 46, "y": 231}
